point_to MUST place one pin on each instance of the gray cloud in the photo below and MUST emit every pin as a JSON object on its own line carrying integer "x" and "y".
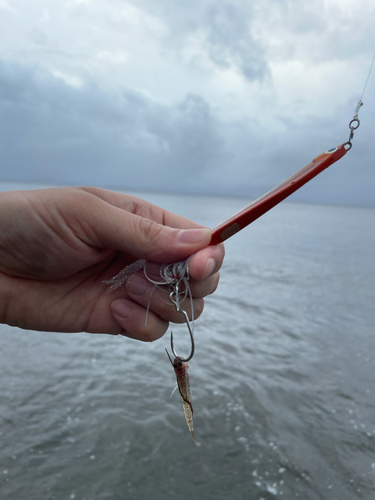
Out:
{"x": 206, "y": 96}
{"x": 230, "y": 41}
{"x": 226, "y": 28}
{"x": 51, "y": 132}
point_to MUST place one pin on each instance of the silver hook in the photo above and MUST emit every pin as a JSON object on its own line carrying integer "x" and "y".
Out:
{"x": 182, "y": 311}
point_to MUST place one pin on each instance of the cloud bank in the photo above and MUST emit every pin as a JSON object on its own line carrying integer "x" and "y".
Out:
{"x": 209, "y": 97}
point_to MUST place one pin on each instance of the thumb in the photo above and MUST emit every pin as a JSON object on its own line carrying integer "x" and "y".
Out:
{"x": 143, "y": 238}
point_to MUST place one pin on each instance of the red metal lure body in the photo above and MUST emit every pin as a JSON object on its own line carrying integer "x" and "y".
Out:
{"x": 260, "y": 206}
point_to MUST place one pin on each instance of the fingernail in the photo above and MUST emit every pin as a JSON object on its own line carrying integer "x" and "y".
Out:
{"x": 136, "y": 285}
{"x": 121, "y": 307}
{"x": 193, "y": 235}
{"x": 210, "y": 267}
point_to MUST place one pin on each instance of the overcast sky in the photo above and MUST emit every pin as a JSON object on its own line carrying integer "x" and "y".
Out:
{"x": 224, "y": 97}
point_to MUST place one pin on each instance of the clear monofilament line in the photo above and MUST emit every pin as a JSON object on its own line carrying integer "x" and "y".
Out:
{"x": 169, "y": 275}
{"x": 368, "y": 77}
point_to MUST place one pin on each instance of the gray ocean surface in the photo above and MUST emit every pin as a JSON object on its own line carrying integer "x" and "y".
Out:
{"x": 283, "y": 379}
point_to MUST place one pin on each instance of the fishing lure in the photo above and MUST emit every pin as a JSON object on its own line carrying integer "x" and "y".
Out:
{"x": 181, "y": 370}
{"x": 260, "y": 206}
{"x": 171, "y": 275}
{"x": 174, "y": 274}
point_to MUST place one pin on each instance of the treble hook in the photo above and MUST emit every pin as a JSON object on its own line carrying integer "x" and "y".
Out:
{"x": 182, "y": 311}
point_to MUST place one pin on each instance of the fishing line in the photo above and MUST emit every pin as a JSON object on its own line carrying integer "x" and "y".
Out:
{"x": 172, "y": 275}
{"x": 368, "y": 77}
{"x": 354, "y": 123}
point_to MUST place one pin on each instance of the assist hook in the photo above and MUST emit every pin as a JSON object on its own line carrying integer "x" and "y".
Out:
{"x": 173, "y": 297}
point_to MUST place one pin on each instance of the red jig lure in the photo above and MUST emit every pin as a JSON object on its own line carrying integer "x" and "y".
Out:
{"x": 260, "y": 206}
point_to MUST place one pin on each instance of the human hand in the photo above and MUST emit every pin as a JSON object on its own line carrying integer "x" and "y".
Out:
{"x": 57, "y": 246}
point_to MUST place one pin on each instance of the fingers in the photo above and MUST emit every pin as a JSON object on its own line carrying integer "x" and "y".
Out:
{"x": 143, "y": 230}
{"x": 132, "y": 318}
{"x": 142, "y": 295}
{"x": 139, "y": 228}
{"x": 206, "y": 262}
{"x": 107, "y": 226}
{"x": 146, "y": 294}
{"x": 140, "y": 324}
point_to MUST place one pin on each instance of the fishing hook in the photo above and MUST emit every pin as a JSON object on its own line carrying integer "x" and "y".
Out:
{"x": 175, "y": 292}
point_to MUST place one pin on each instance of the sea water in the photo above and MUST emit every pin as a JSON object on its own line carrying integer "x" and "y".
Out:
{"x": 283, "y": 379}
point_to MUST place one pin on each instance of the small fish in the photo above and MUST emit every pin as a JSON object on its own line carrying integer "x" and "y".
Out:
{"x": 181, "y": 371}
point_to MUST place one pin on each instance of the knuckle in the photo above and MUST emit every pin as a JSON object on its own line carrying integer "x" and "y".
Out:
{"x": 150, "y": 229}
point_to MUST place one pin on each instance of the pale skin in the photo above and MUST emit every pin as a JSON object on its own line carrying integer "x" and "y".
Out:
{"x": 57, "y": 246}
